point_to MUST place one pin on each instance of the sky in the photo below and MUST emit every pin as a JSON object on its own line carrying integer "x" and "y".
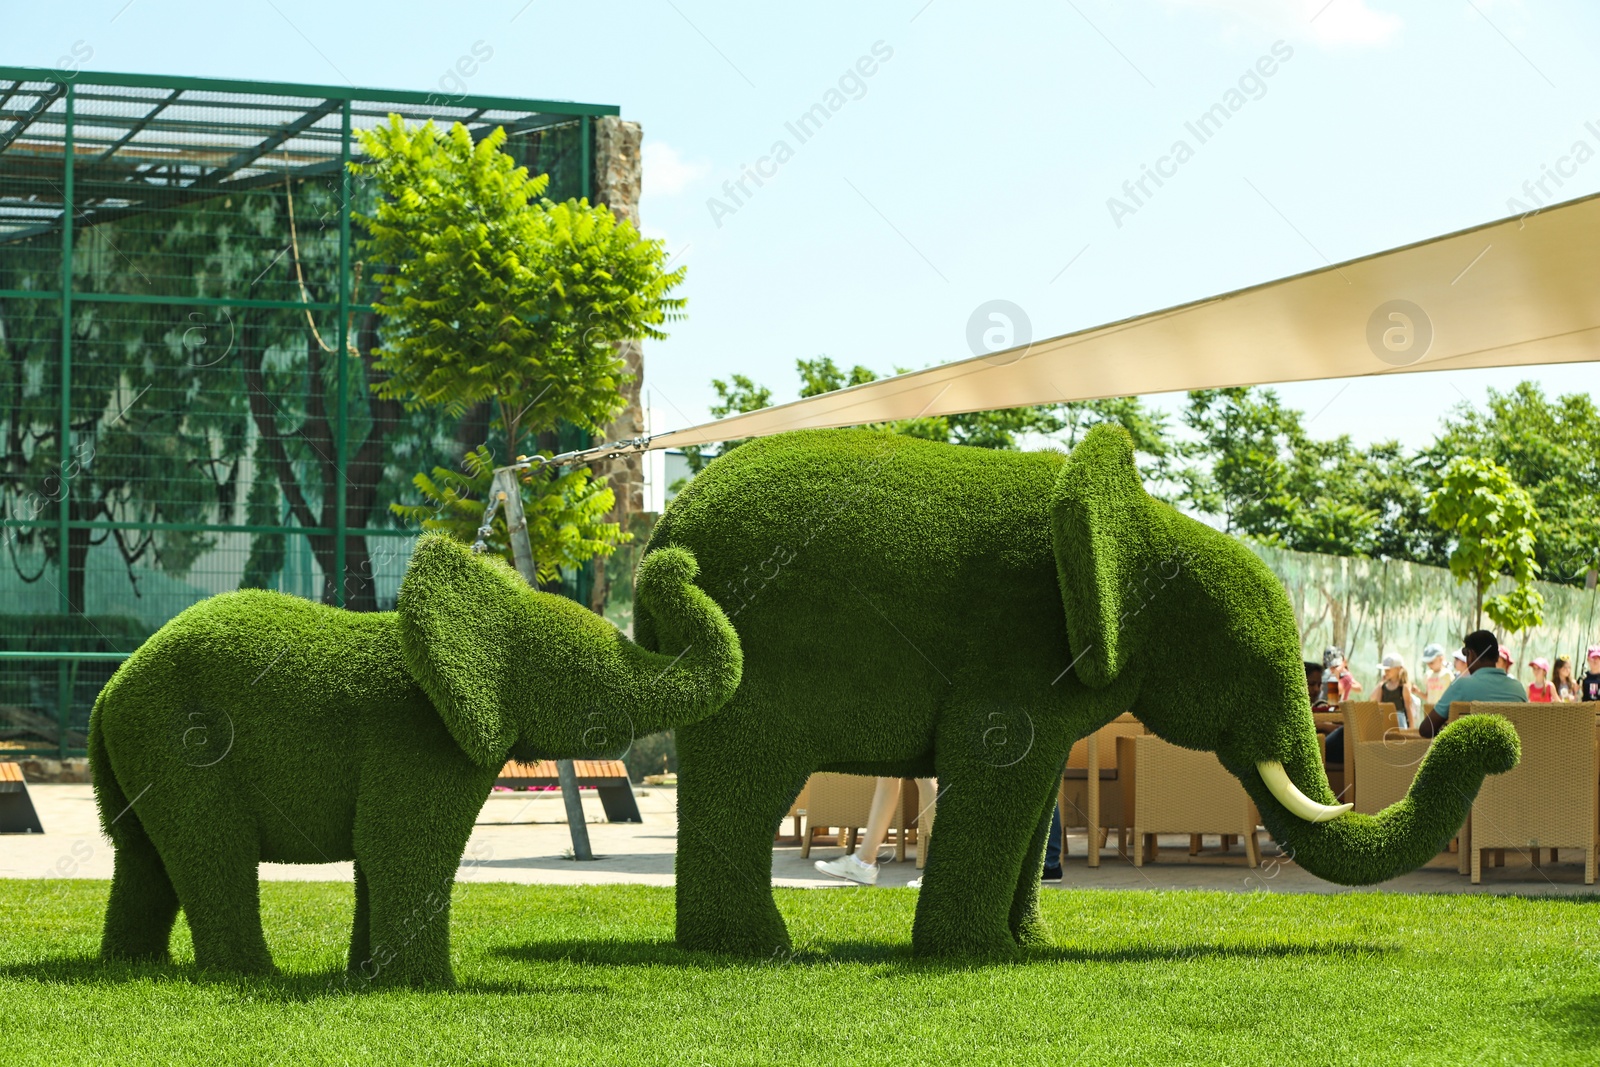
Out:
{"x": 976, "y": 153}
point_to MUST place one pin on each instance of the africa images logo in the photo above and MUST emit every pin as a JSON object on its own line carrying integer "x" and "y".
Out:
{"x": 851, "y": 85}
{"x": 1252, "y": 85}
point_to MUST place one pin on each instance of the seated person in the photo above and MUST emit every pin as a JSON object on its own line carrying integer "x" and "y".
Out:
{"x": 1589, "y": 685}
{"x": 1438, "y": 676}
{"x": 1335, "y": 670}
{"x": 1315, "y": 688}
{"x": 1541, "y": 690}
{"x": 1319, "y": 702}
{"x": 1394, "y": 689}
{"x": 1483, "y": 681}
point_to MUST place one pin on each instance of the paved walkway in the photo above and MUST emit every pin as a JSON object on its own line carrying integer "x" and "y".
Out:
{"x": 522, "y": 837}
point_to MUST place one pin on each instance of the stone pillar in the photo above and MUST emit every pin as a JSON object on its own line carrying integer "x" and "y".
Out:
{"x": 617, "y": 174}
{"x": 617, "y": 178}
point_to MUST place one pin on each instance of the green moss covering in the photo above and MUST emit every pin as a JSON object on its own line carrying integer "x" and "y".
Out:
{"x": 909, "y": 607}
{"x": 257, "y": 726}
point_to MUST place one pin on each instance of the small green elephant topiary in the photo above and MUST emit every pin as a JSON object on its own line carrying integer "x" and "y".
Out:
{"x": 257, "y": 726}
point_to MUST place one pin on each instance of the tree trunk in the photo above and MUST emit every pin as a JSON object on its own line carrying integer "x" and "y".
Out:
{"x": 360, "y": 585}
{"x": 363, "y": 472}
{"x": 473, "y": 430}
{"x": 77, "y": 560}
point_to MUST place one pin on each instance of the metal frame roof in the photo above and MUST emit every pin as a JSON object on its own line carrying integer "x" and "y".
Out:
{"x": 144, "y": 140}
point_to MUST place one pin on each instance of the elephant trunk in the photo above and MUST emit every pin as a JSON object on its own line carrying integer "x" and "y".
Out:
{"x": 699, "y": 662}
{"x": 514, "y": 670}
{"x": 1341, "y": 846}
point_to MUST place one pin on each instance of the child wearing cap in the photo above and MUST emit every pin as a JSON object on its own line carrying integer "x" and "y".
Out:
{"x": 1541, "y": 690}
{"x": 1395, "y": 688}
{"x": 1334, "y": 670}
{"x": 1438, "y": 677}
{"x": 1589, "y": 685}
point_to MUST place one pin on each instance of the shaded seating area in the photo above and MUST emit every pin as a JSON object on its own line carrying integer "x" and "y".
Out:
{"x": 1184, "y": 792}
{"x": 609, "y": 777}
{"x": 1123, "y": 778}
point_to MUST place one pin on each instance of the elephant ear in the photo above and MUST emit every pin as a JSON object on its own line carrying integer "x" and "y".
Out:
{"x": 1105, "y": 529}
{"x": 456, "y": 612}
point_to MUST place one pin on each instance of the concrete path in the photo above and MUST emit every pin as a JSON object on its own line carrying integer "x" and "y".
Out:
{"x": 522, "y": 837}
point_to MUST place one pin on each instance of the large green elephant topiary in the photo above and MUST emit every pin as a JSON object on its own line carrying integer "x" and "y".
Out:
{"x": 913, "y": 608}
{"x": 258, "y": 726}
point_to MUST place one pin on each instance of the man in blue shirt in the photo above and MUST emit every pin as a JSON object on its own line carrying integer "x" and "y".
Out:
{"x": 1483, "y": 681}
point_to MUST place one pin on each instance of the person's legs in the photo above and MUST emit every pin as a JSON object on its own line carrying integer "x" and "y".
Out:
{"x": 927, "y": 794}
{"x": 1052, "y": 845}
{"x": 884, "y": 800}
{"x": 863, "y": 865}
{"x": 1335, "y": 756}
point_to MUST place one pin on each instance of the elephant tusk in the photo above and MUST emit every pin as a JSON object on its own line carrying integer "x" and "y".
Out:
{"x": 1289, "y": 794}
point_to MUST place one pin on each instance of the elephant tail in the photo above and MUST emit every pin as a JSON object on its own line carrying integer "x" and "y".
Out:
{"x": 117, "y": 817}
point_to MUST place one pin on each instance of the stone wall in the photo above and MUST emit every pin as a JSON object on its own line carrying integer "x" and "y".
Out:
{"x": 618, "y": 175}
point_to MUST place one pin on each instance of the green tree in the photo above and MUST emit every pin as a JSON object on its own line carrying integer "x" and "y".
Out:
{"x": 822, "y": 375}
{"x": 735, "y": 396}
{"x": 1244, "y": 436}
{"x": 566, "y": 522}
{"x": 1395, "y": 486}
{"x": 1001, "y": 428}
{"x": 490, "y": 294}
{"x": 1552, "y": 448}
{"x": 1269, "y": 479}
{"x": 1152, "y": 442}
{"x": 1494, "y": 525}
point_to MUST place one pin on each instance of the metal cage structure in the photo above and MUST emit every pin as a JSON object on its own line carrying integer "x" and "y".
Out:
{"x": 186, "y": 349}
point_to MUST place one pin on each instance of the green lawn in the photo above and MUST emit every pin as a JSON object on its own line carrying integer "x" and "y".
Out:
{"x": 590, "y": 976}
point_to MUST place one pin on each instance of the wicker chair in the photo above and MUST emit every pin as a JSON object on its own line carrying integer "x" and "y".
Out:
{"x": 843, "y": 801}
{"x": 1549, "y": 800}
{"x": 796, "y": 812}
{"x": 1094, "y": 758}
{"x": 1380, "y": 759}
{"x": 1171, "y": 790}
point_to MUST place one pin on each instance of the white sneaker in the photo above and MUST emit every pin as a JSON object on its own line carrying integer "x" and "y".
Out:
{"x": 915, "y": 883}
{"x": 850, "y": 869}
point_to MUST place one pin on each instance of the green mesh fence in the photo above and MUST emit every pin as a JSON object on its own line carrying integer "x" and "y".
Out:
{"x": 1370, "y": 607}
{"x": 185, "y": 351}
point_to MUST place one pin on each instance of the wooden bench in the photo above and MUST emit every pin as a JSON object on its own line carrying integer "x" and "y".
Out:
{"x": 608, "y": 776}
{"x": 17, "y": 815}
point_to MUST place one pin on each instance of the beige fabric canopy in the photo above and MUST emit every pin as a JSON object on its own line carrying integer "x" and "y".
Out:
{"x": 1525, "y": 290}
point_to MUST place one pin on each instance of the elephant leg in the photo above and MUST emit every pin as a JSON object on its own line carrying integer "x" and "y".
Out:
{"x": 409, "y": 921}
{"x": 361, "y": 930}
{"x": 143, "y": 904}
{"x": 1027, "y": 924}
{"x": 728, "y": 811}
{"x": 408, "y": 876}
{"x": 992, "y": 823}
{"x": 220, "y": 890}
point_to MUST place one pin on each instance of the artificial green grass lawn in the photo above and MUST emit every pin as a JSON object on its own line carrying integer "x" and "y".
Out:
{"x": 589, "y": 975}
